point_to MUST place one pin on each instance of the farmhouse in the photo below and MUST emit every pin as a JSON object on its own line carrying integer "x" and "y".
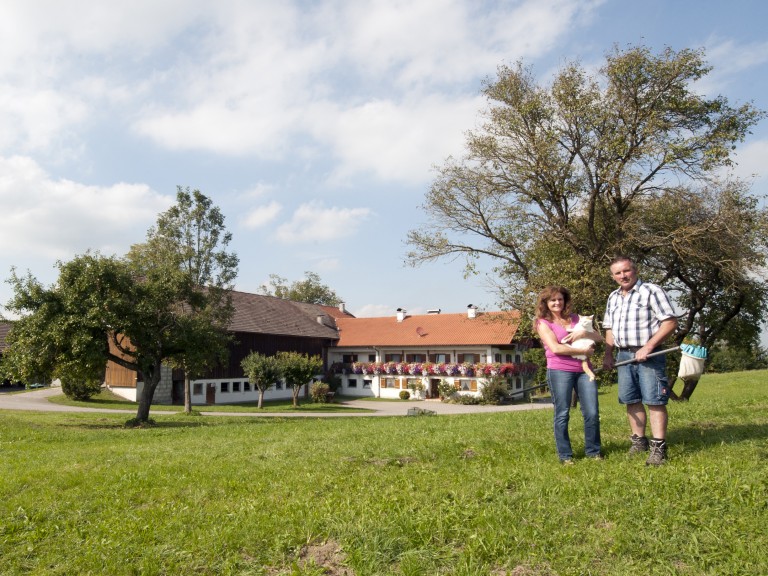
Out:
{"x": 262, "y": 324}
{"x": 429, "y": 354}
{"x": 379, "y": 357}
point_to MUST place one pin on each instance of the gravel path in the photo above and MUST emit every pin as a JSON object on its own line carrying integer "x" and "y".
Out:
{"x": 37, "y": 400}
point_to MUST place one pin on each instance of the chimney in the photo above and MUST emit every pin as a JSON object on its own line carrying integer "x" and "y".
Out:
{"x": 320, "y": 318}
{"x": 471, "y": 311}
{"x": 342, "y": 309}
{"x": 400, "y": 314}
{"x": 434, "y": 311}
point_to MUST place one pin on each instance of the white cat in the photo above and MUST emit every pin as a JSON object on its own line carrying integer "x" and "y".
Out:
{"x": 584, "y": 323}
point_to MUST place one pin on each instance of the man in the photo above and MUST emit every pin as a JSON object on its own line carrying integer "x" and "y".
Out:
{"x": 638, "y": 318}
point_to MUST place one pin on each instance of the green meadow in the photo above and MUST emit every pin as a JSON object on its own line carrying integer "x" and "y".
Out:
{"x": 462, "y": 495}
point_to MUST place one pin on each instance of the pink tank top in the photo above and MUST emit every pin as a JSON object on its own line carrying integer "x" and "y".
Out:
{"x": 559, "y": 361}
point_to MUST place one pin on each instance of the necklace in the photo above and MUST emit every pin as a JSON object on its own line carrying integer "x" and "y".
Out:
{"x": 563, "y": 322}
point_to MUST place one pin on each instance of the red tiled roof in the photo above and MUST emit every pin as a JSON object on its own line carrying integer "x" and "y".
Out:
{"x": 492, "y": 328}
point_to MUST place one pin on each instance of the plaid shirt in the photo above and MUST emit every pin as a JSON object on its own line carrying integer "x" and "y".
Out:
{"x": 635, "y": 318}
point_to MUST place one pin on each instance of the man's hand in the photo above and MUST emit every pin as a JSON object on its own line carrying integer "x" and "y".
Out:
{"x": 608, "y": 361}
{"x": 642, "y": 354}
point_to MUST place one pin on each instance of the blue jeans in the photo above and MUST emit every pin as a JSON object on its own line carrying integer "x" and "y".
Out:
{"x": 644, "y": 382}
{"x": 561, "y": 385}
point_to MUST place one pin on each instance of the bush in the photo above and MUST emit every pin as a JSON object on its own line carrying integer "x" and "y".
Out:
{"x": 80, "y": 389}
{"x": 467, "y": 399}
{"x": 446, "y": 390}
{"x": 404, "y": 395}
{"x": 319, "y": 392}
{"x": 495, "y": 390}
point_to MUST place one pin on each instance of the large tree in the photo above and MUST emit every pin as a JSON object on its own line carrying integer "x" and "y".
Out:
{"x": 561, "y": 178}
{"x": 310, "y": 290}
{"x": 149, "y": 308}
{"x": 191, "y": 237}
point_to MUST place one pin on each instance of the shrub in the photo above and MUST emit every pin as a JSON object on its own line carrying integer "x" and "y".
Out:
{"x": 80, "y": 389}
{"x": 404, "y": 395}
{"x": 495, "y": 390}
{"x": 446, "y": 390}
{"x": 467, "y": 399}
{"x": 319, "y": 392}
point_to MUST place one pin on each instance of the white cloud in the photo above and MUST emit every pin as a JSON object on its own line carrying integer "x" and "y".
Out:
{"x": 262, "y": 215}
{"x": 312, "y": 222}
{"x": 398, "y": 141}
{"x": 57, "y": 219}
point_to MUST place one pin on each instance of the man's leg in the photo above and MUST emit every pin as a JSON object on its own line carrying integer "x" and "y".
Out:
{"x": 658, "y": 418}
{"x": 637, "y": 418}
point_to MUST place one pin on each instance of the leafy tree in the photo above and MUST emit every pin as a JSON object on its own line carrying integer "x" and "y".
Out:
{"x": 298, "y": 370}
{"x": 562, "y": 178}
{"x": 262, "y": 371}
{"x": 139, "y": 312}
{"x": 62, "y": 330}
{"x": 191, "y": 237}
{"x": 310, "y": 290}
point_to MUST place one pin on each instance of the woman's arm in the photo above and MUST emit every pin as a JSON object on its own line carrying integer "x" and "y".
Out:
{"x": 550, "y": 341}
{"x": 579, "y": 334}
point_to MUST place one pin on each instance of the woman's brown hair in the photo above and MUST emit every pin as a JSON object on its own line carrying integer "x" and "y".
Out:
{"x": 542, "y": 310}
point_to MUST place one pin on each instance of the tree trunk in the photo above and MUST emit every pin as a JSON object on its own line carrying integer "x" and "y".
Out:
{"x": 296, "y": 396}
{"x": 151, "y": 380}
{"x": 261, "y": 398}
{"x": 187, "y": 393}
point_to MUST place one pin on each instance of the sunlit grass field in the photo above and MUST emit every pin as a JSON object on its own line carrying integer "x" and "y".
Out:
{"x": 468, "y": 494}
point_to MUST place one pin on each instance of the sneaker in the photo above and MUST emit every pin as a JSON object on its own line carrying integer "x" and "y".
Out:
{"x": 596, "y": 457}
{"x": 567, "y": 461}
{"x": 658, "y": 453}
{"x": 639, "y": 444}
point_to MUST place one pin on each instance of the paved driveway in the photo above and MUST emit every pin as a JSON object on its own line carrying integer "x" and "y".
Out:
{"x": 37, "y": 400}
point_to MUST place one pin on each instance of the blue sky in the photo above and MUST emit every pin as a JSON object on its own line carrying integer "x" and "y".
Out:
{"x": 314, "y": 126}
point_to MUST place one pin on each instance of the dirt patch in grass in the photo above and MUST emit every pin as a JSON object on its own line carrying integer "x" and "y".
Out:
{"x": 326, "y": 556}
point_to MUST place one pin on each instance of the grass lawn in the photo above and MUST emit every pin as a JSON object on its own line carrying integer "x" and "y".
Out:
{"x": 479, "y": 494}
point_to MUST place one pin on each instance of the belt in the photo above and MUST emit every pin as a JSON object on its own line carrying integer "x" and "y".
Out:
{"x": 628, "y": 348}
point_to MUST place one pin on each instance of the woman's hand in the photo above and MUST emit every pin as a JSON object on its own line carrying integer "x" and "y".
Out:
{"x": 575, "y": 335}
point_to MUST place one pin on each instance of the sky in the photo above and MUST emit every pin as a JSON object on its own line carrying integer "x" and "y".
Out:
{"x": 315, "y": 126}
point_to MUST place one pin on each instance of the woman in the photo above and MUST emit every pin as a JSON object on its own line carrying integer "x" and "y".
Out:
{"x": 565, "y": 373}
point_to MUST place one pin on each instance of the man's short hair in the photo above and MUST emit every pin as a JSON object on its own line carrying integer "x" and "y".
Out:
{"x": 618, "y": 259}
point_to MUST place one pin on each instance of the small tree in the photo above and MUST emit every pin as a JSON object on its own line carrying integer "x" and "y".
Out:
{"x": 262, "y": 371}
{"x": 297, "y": 370}
{"x": 310, "y": 290}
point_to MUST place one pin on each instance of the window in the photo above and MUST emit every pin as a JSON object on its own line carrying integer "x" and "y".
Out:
{"x": 468, "y": 385}
{"x": 509, "y": 358}
{"x": 246, "y": 386}
{"x": 469, "y": 358}
{"x": 517, "y": 358}
{"x": 279, "y": 385}
{"x": 225, "y": 386}
{"x": 235, "y": 386}
{"x": 415, "y": 357}
{"x": 349, "y": 358}
{"x": 393, "y": 357}
{"x": 371, "y": 357}
{"x": 197, "y": 389}
{"x": 518, "y": 383}
{"x": 352, "y": 383}
{"x": 497, "y": 358}
{"x": 440, "y": 358}
{"x": 367, "y": 383}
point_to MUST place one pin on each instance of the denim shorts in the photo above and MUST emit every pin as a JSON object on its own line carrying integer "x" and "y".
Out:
{"x": 644, "y": 382}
